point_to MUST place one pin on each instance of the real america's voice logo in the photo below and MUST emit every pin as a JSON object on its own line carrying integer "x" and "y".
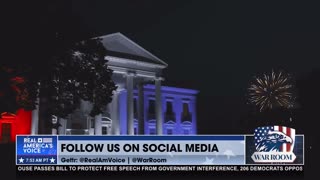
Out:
{"x": 274, "y": 144}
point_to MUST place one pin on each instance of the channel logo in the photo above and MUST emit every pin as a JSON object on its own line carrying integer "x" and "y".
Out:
{"x": 274, "y": 144}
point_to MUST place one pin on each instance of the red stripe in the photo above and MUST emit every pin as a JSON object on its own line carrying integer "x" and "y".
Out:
{"x": 280, "y": 129}
{"x": 288, "y": 134}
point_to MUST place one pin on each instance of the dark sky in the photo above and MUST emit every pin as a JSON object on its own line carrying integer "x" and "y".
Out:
{"x": 215, "y": 47}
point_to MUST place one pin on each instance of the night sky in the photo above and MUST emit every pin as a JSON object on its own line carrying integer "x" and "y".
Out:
{"x": 214, "y": 47}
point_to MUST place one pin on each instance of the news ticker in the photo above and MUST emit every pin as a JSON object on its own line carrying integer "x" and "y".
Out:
{"x": 162, "y": 171}
{"x": 223, "y": 150}
{"x": 167, "y": 168}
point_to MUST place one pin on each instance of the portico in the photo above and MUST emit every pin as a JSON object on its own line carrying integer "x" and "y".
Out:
{"x": 132, "y": 67}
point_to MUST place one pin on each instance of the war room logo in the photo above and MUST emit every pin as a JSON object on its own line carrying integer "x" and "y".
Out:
{"x": 274, "y": 144}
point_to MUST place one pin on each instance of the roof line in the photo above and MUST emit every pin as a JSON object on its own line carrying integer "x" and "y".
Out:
{"x": 143, "y": 49}
{"x": 174, "y": 89}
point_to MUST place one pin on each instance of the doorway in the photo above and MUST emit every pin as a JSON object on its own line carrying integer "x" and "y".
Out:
{"x": 5, "y": 132}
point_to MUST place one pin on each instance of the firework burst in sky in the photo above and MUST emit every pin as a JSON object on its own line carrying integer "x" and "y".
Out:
{"x": 271, "y": 90}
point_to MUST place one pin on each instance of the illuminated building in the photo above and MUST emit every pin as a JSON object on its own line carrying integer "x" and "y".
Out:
{"x": 139, "y": 106}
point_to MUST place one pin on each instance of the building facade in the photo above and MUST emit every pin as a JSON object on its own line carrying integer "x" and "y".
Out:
{"x": 178, "y": 113}
{"x": 140, "y": 105}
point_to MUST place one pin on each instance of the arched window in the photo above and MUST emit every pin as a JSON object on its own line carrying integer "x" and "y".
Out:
{"x": 151, "y": 109}
{"x": 170, "y": 115}
{"x": 186, "y": 115}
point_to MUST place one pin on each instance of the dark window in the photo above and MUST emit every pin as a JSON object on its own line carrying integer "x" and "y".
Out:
{"x": 186, "y": 115}
{"x": 151, "y": 109}
{"x": 169, "y": 131}
{"x": 104, "y": 130}
{"x": 186, "y": 131}
{"x": 135, "y": 130}
{"x": 169, "y": 107}
{"x": 92, "y": 122}
{"x": 6, "y": 132}
{"x": 170, "y": 115}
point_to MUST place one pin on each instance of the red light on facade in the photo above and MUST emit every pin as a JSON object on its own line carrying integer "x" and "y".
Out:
{"x": 14, "y": 124}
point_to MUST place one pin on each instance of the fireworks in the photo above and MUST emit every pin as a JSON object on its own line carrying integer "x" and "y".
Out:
{"x": 271, "y": 90}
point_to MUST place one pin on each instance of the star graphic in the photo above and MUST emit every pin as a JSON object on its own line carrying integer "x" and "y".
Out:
{"x": 21, "y": 160}
{"x": 208, "y": 161}
{"x": 52, "y": 160}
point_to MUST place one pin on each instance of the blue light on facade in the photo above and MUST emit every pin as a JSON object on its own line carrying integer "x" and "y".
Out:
{"x": 181, "y": 118}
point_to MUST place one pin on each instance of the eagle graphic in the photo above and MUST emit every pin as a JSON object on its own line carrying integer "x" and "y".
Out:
{"x": 273, "y": 141}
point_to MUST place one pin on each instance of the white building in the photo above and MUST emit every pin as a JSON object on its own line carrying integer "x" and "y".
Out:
{"x": 140, "y": 105}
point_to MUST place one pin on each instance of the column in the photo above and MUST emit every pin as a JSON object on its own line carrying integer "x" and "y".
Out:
{"x": 122, "y": 97}
{"x": 115, "y": 124}
{"x": 91, "y": 124}
{"x": 97, "y": 125}
{"x": 54, "y": 121}
{"x": 62, "y": 128}
{"x": 178, "y": 110}
{"x": 140, "y": 109}
{"x": 35, "y": 119}
{"x": 158, "y": 103}
{"x": 129, "y": 87}
{"x": 193, "y": 111}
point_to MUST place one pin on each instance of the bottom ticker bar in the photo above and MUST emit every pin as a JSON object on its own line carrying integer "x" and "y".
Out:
{"x": 212, "y": 170}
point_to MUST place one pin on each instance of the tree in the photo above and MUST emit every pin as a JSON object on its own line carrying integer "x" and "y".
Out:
{"x": 79, "y": 73}
{"x": 16, "y": 90}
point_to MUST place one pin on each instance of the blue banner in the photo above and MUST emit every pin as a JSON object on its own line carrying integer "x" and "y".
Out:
{"x": 36, "y": 150}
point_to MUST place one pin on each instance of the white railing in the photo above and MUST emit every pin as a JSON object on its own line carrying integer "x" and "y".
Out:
{"x": 77, "y": 131}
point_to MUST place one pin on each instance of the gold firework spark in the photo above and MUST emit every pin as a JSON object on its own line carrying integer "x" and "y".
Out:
{"x": 271, "y": 90}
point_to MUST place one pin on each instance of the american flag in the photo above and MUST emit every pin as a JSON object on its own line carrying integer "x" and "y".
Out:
{"x": 261, "y": 132}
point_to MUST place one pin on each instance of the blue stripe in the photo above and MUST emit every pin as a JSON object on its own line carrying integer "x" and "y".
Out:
{"x": 153, "y": 138}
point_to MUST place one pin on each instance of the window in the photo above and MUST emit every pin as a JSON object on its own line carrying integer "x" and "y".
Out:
{"x": 169, "y": 113}
{"x": 104, "y": 130}
{"x": 6, "y": 132}
{"x": 135, "y": 130}
{"x": 169, "y": 131}
{"x": 151, "y": 109}
{"x": 169, "y": 107}
{"x": 91, "y": 122}
{"x": 151, "y": 106}
{"x": 186, "y": 115}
